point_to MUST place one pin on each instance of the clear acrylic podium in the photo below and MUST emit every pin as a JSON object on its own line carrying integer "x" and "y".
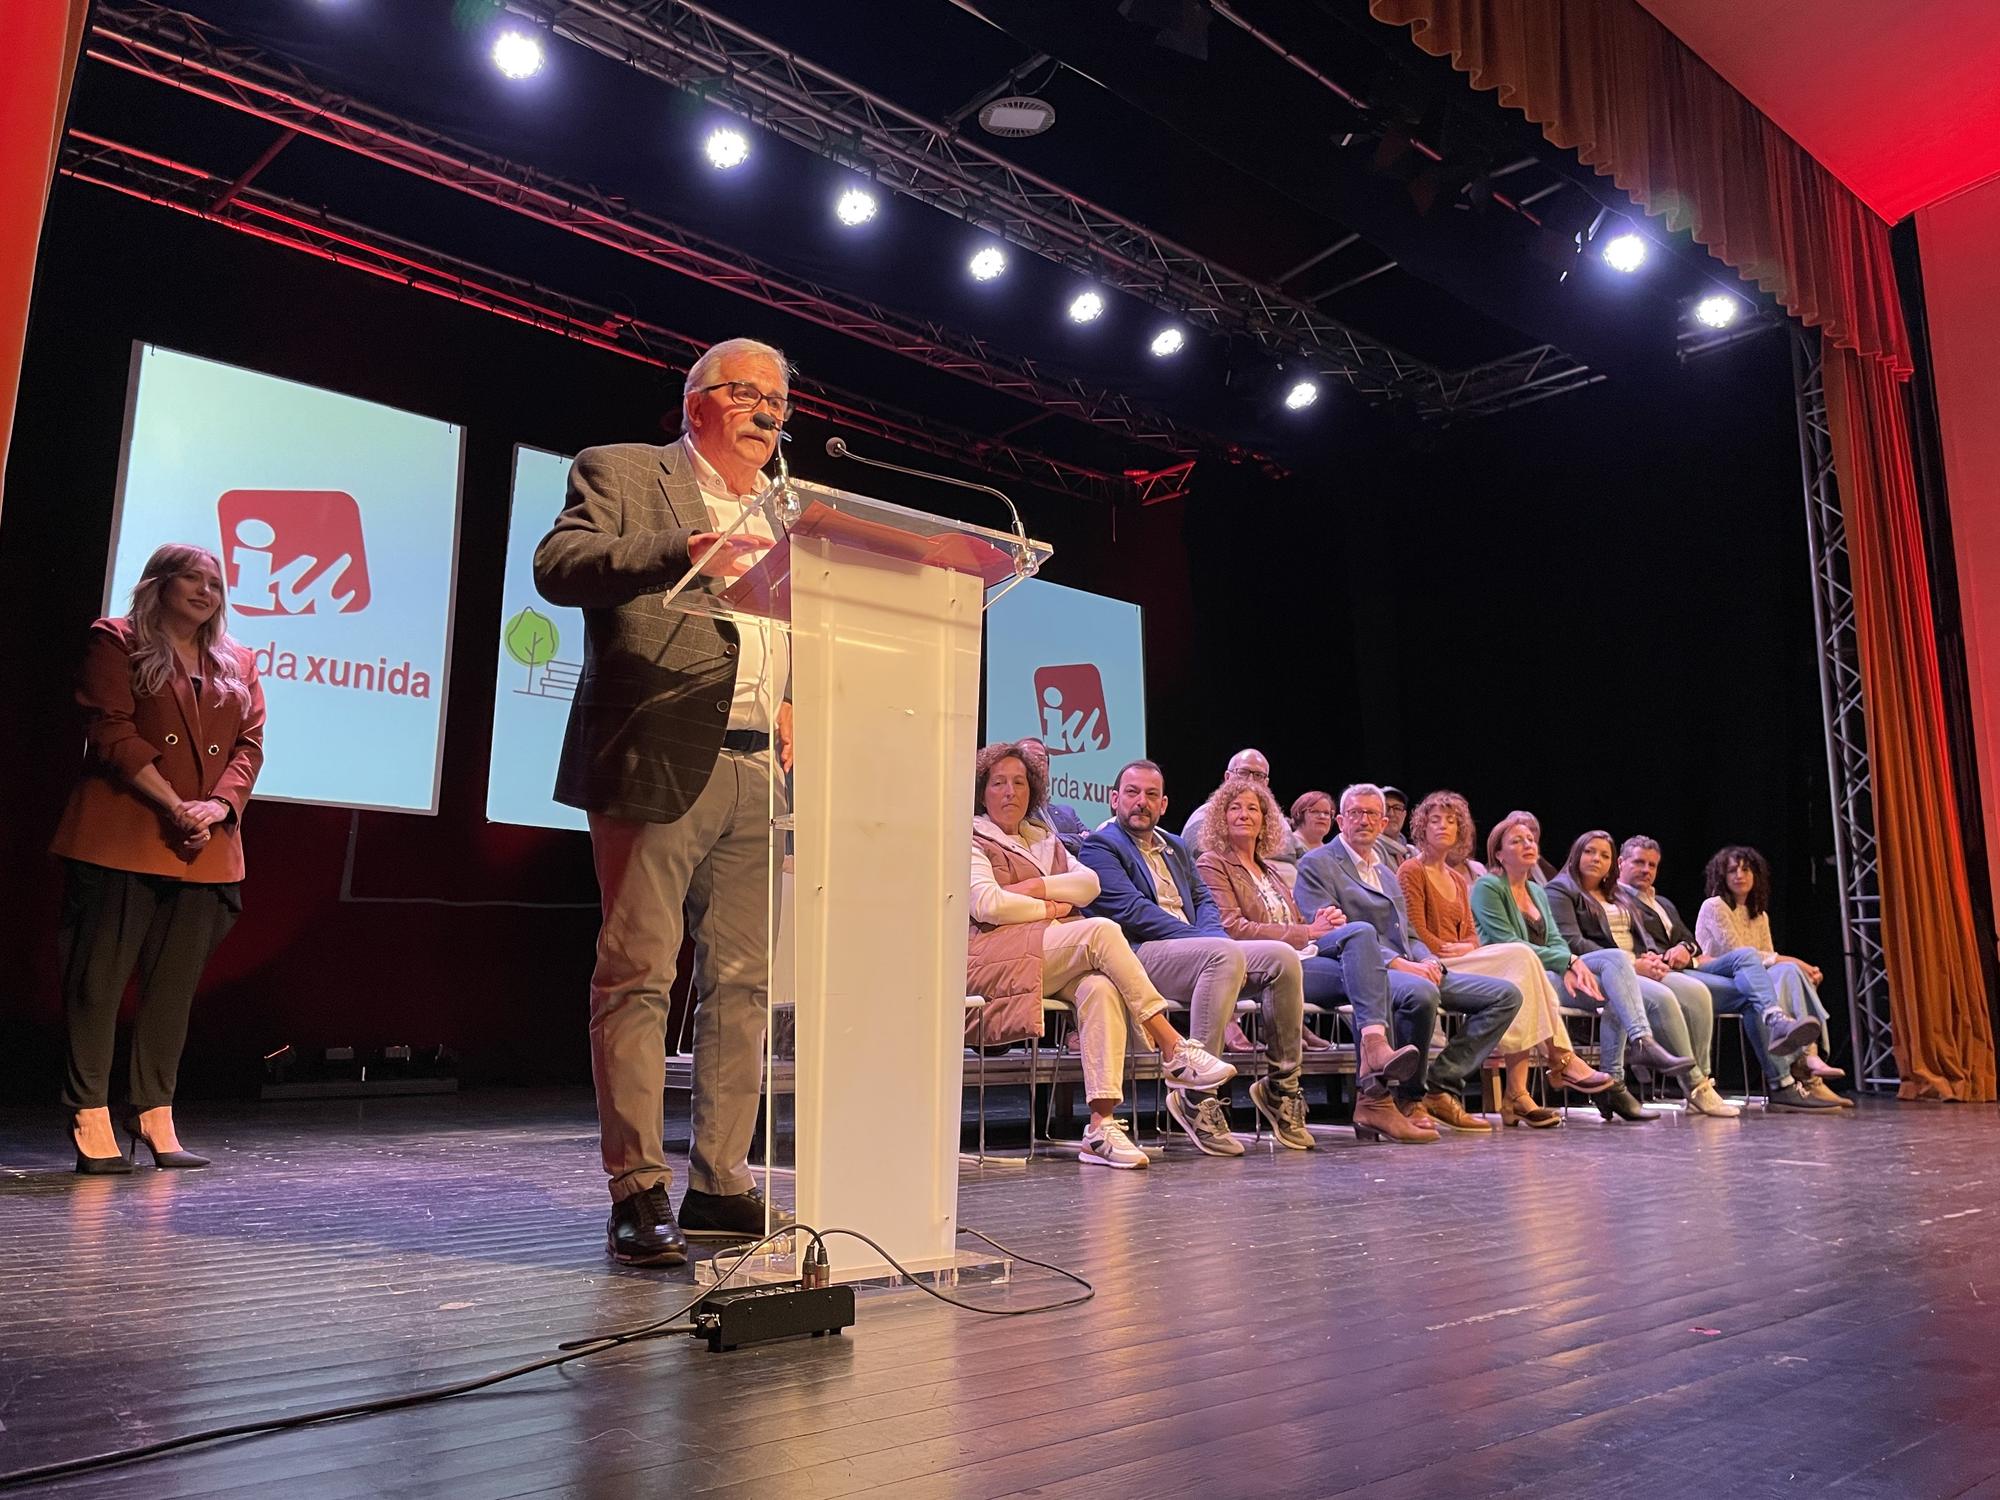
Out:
{"x": 883, "y": 611}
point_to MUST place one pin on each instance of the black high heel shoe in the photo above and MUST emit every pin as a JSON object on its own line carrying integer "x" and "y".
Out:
{"x": 165, "y": 1159}
{"x": 98, "y": 1166}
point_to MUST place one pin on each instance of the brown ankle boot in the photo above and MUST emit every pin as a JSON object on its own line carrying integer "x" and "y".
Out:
{"x": 1377, "y": 1118}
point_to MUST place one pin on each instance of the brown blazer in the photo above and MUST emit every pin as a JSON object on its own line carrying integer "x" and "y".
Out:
{"x": 1242, "y": 906}
{"x": 650, "y": 711}
{"x": 204, "y": 750}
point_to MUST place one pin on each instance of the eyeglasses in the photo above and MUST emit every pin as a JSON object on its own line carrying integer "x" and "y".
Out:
{"x": 747, "y": 396}
{"x": 1363, "y": 815}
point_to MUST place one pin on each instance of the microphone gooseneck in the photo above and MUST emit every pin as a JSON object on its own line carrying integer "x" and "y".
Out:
{"x": 836, "y": 447}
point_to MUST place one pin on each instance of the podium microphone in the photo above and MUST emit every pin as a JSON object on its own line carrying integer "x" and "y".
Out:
{"x": 836, "y": 447}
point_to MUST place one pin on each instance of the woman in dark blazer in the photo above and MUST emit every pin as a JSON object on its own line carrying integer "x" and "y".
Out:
{"x": 151, "y": 842}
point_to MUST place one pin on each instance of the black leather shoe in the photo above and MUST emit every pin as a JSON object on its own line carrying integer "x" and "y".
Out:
{"x": 1654, "y": 1058}
{"x": 731, "y": 1216}
{"x": 642, "y": 1231}
{"x": 1617, "y": 1103}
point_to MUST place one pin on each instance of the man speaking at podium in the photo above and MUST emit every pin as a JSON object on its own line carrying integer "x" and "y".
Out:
{"x": 668, "y": 751}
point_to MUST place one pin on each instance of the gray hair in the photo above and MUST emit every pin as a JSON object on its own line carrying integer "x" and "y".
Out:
{"x": 1360, "y": 789}
{"x": 1634, "y": 844}
{"x": 702, "y": 372}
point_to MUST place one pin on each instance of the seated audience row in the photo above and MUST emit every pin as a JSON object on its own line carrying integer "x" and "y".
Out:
{"x": 1326, "y": 907}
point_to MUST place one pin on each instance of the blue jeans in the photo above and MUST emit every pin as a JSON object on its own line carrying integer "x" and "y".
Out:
{"x": 1488, "y": 1006}
{"x": 1625, "y": 1005}
{"x": 1349, "y": 967}
{"x": 1743, "y": 987}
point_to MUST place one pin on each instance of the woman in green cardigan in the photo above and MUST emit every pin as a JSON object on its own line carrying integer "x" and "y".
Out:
{"x": 1509, "y": 906}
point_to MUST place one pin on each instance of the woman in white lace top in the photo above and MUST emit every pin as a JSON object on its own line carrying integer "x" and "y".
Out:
{"x": 1737, "y": 914}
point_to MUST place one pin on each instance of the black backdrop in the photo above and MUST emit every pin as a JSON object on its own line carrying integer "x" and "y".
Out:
{"x": 1596, "y": 608}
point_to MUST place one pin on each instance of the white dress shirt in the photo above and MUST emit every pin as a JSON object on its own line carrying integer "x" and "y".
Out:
{"x": 763, "y": 663}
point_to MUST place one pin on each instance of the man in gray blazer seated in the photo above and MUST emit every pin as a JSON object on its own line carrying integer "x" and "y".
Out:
{"x": 1349, "y": 872}
{"x": 669, "y": 752}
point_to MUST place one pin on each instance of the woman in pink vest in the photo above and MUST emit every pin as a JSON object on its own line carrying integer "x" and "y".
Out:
{"x": 1028, "y": 941}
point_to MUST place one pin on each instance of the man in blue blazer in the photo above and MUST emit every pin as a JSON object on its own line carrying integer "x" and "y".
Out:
{"x": 1349, "y": 871}
{"x": 1150, "y": 888}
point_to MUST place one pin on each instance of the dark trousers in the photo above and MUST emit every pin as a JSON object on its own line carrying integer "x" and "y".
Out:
{"x": 112, "y": 922}
{"x": 1488, "y": 1006}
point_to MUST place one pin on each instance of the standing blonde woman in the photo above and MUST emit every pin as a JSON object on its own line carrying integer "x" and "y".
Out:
{"x": 151, "y": 843}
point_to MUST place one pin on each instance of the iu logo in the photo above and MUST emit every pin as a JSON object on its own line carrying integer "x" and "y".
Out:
{"x": 1069, "y": 705}
{"x": 293, "y": 552}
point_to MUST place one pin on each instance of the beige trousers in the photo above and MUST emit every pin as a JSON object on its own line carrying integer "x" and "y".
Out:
{"x": 1090, "y": 964}
{"x": 711, "y": 871}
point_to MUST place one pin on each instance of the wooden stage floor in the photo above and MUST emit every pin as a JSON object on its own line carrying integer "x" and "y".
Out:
{"x": 1765, "y": 1307}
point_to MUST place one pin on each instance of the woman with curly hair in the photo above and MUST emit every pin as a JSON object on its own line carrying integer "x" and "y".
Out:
{"x": 1737, "y": 914}
{"x": 151, "y": 843}
{"x": 1028, "y": 940}
{"x": 1439, "y": 899}
{"x": 1341, "y": 960}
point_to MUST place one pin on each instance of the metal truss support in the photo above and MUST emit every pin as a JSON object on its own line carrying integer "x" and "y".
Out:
{"x": 716, "y": 57}
{"x": 168, "y": 46}
{"x": 1856, "y": 856}
{"x": 240, "y": 206}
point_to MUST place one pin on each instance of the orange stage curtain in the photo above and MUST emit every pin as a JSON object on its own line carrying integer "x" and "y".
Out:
{"x": 1943, "y": 1031}
{"x": 1604, "y": 78}
{"x": 39, "y": 42}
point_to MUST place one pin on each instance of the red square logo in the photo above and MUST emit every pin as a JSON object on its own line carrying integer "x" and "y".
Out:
{"x": 1069, "y": 705}
{"x": 293, "y": 552}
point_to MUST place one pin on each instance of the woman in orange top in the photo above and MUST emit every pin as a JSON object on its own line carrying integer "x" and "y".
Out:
{"x": 174, "y": 737}
{"x": 1439, "y": 901}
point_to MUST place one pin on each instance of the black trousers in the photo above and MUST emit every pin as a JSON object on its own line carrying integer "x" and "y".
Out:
{"x": 112, "y": 922}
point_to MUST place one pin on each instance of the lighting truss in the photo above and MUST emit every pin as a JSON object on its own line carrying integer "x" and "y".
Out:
{"x": 191, "y": 190}
{"x": 1856, "y": 856}
{"x": 726, "y": 63}
{"x": 157, "y": 42}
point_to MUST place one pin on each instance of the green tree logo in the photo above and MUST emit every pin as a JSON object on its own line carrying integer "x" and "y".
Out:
{"x": 531, "y": 639}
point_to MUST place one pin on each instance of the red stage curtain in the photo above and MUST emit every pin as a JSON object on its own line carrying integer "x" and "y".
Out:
{"x": 1604, "y": 78}
{"x": 1944, "y": 1033}
{"x": 39, "y": 42}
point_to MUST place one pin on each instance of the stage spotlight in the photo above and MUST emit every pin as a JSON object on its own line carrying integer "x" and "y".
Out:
{"x": 856, "y": 206}
{"x": 1302, "y": 395}
{"x": 988, "y": 263}
{"x": 1625, "y": 252}
{"x": 517, "y": 54}
{"x": 1087, "y": 308}
{"x": 1168, "y": 341}
{"x": 727, "y": 148}
{"x": 1717, "y": 310}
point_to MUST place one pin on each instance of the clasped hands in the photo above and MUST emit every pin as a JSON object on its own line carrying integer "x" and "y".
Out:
{"x": 189, "y": 822}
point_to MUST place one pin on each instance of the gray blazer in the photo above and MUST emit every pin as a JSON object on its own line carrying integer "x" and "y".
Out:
{"x": 1328, "y": 876}
{"x": 647, "y": 722}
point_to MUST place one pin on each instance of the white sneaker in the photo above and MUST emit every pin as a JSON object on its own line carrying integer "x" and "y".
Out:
{"x": 1107, "y": 1145}
{"x": 1193, "y": 1066}
{"x": 1706, "y": 1101}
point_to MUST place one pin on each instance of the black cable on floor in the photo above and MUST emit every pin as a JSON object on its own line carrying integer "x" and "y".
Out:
{"x": 573, "y": 1350}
